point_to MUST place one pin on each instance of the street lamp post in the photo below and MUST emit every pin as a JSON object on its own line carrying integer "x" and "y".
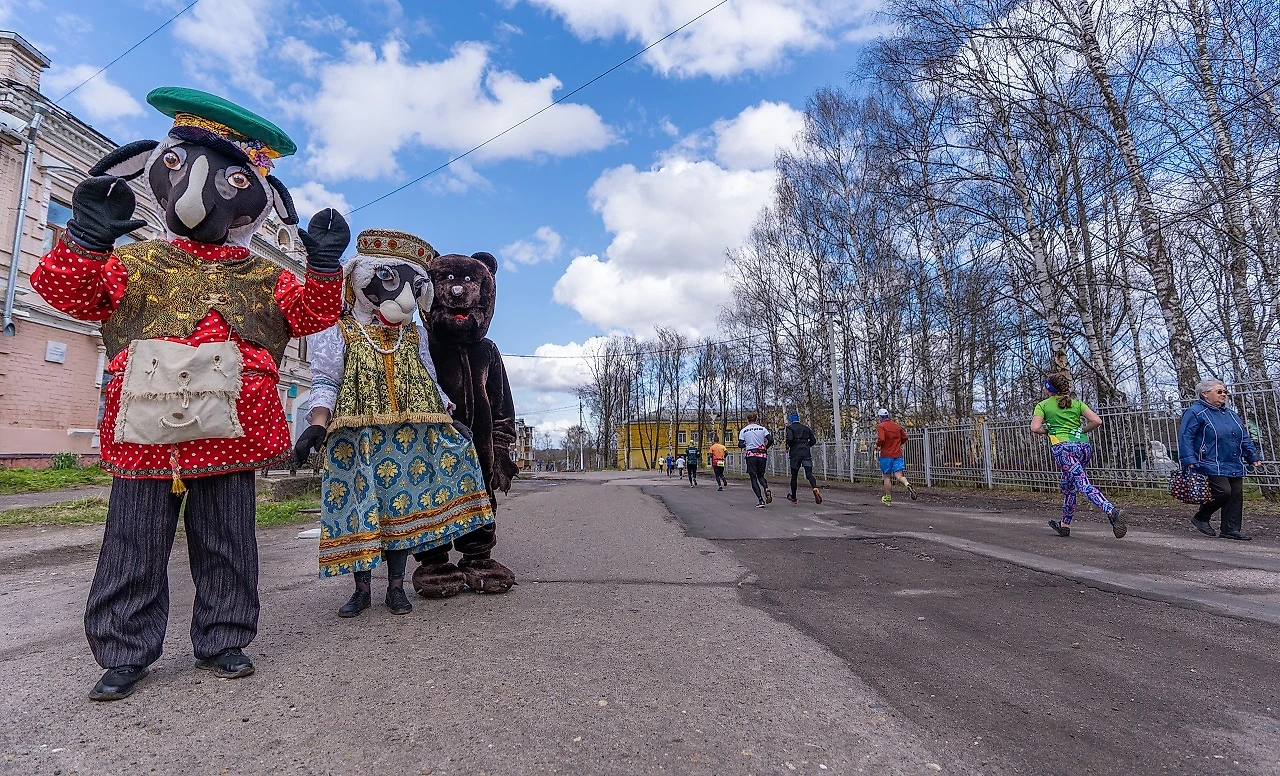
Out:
{"x": 833, "y": 318}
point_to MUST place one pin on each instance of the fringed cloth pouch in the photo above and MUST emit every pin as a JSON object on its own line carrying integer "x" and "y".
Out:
{"x": 176, "y": 393}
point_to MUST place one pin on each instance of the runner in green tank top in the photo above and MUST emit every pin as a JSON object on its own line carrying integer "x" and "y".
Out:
{"x": 1067, "y": 422}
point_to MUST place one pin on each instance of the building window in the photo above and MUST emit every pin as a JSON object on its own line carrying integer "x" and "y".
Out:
{"x": 693, "y": 437}
{"x": 728, "y": 434}
{"x": 302, "y": 350}
{"x": 55, "y": 223}
{"x": 680, "y": 437}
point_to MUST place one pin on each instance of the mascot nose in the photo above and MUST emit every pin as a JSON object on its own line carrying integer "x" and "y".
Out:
{"x": 456, "y": 290}
{"x": 190, "y": 207}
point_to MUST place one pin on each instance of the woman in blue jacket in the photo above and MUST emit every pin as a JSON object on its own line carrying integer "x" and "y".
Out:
{"x": 1215, "y": 442}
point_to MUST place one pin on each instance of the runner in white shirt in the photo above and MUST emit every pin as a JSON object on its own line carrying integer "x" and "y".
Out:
{"x": 756, "y": 441}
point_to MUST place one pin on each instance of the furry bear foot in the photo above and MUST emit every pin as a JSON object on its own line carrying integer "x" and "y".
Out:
{"x": 487, "y": 576}
{"x": 438, "y": 580}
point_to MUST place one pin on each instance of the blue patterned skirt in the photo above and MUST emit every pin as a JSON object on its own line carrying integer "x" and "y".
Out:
{"x": 408, "y": 486}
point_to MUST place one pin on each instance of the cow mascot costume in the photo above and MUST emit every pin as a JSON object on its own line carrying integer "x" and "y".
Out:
{"x": 471, "y": 372}
{"x": 195, "y": 327}
{"x": 399, "y": 477}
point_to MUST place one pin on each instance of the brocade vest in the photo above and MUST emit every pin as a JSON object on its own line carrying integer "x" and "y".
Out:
{"x": 386, "y": 384}
{"x": 170, "y": 292}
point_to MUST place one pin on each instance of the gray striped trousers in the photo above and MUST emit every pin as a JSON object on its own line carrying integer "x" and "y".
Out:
{"x": 128, "y": 608}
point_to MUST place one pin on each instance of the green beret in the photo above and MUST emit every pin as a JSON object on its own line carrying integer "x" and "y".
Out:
{"x": 174, "y": 100}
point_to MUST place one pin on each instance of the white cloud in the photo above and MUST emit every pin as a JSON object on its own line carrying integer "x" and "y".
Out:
{"x": 372, "y": 104}
{"x": 228, "y": 35}
{"x": 72, "y": 25}
{"x": 311, "y": 197}
{"x": 299, "y": 52}
{"x": 751, "y": 139}
{"x": 544, "y": 245}
{"x": 668, "y": 128}
{"x": 744, "y": 35}
{"x": 458, "y": 178}
{"x": 99, "y": 99}
{"x": 673, "y": 223}
{"x": 561, "y": 368}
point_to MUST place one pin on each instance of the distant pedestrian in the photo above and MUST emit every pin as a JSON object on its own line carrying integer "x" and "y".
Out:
{"x": 680, "y": 466}
{"x": 800, "y": 441}
{"x": 890, "y": 437}
{"x": 756, "y": 440}
{"x": 1215, "y": 442}
{"x": 1067, "y": 422}
{"x": 671, "y": 465}
{"x": 692, "y": 459}
{"x": 717, "y": 454}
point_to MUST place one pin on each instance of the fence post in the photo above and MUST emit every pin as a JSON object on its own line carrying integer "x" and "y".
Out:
{"x": 928, "y": 462}
{"x": 825, "y": 451}
{"x": 986, "y": 452}
{"x": 853, "y": 442}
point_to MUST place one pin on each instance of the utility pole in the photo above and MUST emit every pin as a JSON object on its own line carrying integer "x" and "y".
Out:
{"x": 833, "y": 320}
{"x": 582, "y": 440}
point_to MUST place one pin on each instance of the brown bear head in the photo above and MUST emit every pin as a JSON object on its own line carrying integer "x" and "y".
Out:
{"x": 465, "y": 292}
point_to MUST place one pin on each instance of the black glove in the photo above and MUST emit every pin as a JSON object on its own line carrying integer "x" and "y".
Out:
{"x": 310, "y": 441}
{"x": 326, "y": 237}
{"x": 101, "y": 210}
{"x": 463, "y": 429}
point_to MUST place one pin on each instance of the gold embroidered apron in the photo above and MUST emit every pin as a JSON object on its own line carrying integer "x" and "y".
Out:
{"x": 384, "y": 388}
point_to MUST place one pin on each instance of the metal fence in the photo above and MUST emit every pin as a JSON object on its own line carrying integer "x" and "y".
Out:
{"x": 1136, "y": 448}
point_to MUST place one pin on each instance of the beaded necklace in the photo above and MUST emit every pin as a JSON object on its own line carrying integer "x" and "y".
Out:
{"x": 367, "y": 338}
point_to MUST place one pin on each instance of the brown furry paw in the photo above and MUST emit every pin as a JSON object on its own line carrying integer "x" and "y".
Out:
{"x": 487, "y": 576}
{"x": 438, "y": 580}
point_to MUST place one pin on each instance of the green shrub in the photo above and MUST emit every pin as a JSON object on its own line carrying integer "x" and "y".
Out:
{"x": 66, "y": 461}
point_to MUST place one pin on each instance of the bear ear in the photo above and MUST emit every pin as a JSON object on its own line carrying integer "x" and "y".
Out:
{"x": 488, "y": 260}
{"x": 127, "y": 161}
{"x": 283, "y": 201}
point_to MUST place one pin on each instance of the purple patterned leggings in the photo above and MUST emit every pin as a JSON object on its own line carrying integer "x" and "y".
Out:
{"x": 1071, "y": 458}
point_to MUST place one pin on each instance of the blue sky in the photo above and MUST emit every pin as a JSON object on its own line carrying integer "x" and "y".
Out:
{"x": 610, "y": 212}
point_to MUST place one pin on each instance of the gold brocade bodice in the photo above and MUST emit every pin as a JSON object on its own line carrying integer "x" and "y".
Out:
{"x": 170, "y": 292}
{"x": 384, "y": 387}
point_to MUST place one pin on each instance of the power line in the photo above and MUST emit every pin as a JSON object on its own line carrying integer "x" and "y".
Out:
{"x": 535, "y": 114}
{"x": 148, "y": 37}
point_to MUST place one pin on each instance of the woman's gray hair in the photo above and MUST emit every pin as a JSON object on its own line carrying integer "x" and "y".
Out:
{"x": 1203, "y": 386}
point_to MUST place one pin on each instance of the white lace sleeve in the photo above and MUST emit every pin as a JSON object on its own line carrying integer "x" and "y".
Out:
{"x": 424, "y": 350}
{"x": 328, "y": 355}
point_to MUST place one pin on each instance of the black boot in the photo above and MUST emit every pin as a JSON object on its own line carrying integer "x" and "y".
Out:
{"x": 397, "y": 601}
{"x": 227, "y": 664}
{"x": 118, "y": 682}
{"x": 360, "y": 599}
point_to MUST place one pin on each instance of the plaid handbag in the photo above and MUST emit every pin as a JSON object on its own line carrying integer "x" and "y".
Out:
{"x": 1189, "y": 487}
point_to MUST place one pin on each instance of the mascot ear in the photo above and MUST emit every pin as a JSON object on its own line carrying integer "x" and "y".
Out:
{"x": 283, "y": 201}
{"x": 127, "y": 161}
{"x": 488, "y": 260}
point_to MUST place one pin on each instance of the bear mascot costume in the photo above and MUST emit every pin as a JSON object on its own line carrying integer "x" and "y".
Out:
{"x": 195, "y": 327}
{"x": 399, "y": 476}
{"x": 471, "y": 372}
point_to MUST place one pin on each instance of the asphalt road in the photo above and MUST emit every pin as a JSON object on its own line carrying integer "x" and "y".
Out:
{"x": 626, "y": 647}
{"x": 1011, "y": 650}
{"x": 703, "y": 637}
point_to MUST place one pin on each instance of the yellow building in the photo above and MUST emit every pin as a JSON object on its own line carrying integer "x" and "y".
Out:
{"x": 642, "y": 443}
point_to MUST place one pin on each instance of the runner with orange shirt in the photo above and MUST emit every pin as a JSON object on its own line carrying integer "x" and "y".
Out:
{"x": 889, "y": 440}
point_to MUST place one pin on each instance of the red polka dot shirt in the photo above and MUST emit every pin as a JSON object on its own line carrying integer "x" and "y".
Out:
{"x": 89, "y": 286}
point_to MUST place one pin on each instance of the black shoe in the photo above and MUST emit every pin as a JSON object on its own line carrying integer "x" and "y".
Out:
{"x": 1234, "y": 535}
{"x": 791, "y": 497}
{"x": 1119, "y": 523}
{"x": 1063, "y": 530}
{"x": 911, "y": 491}
{"x": 397, "y": 601}
{"x": 118, "y": 682}
{"x": 719, "y": 487}
{"x": 1203, "y": 527}
{"x": 760, "y": 505}
{"x": 227, "y": 664}
{"x": 358, "y": 602}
